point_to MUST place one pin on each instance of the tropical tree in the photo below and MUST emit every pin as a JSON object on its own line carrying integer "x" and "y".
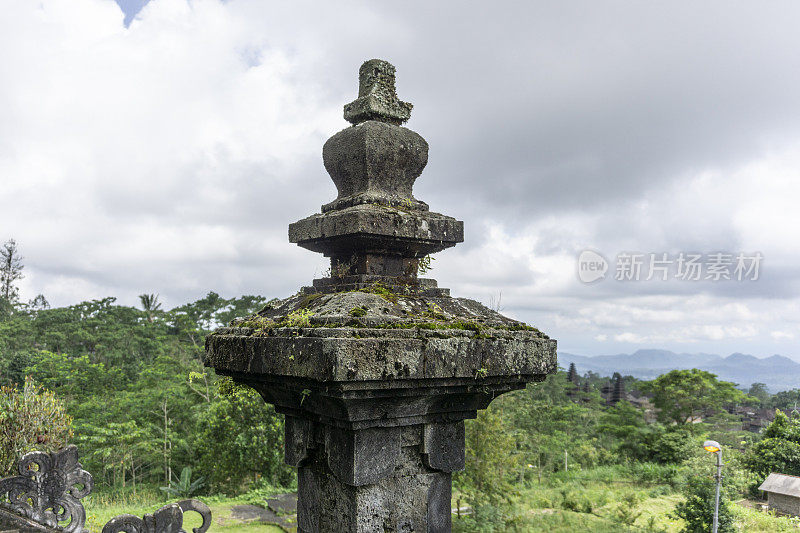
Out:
{"x": 627, "y": 428}
{"x": 778, "y": 450}
{"x": 241, "y": 439}
{"x": 491, "y": 462}
{"x": 759, "y": 392}
{"x": 121, "y": 448}
{"x": 10, "y": 271}
{"x": 684, "y": 395}
{"x": 150, "y": 304}
{"x": 787, "y": 401}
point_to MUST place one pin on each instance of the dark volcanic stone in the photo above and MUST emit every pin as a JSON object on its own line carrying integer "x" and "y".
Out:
{"x": 377, "y": 98}
{"x": 254, "y": 513}
{"x": 375, "y": 157}
{"x": 375, "y": 368}
{"x": 14, "y": 523}
{"x": 370, "y": 227}
{"x": 375, "y": 387}
{"x": 283, "y": 503}
{"x": 363, "y": 336}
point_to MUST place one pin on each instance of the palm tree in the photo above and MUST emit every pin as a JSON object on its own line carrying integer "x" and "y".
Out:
{"x": 150, "y": 304}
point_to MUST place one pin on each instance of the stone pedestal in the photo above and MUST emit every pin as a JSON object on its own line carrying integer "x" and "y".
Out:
{"x": 375, "y": 368}
{"x": 411, "y": 497}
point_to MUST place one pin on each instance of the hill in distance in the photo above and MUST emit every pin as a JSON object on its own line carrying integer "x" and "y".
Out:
{"x": 777, "y": 372}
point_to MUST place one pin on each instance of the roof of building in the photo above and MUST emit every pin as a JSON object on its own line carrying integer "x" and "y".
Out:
{"x": 782, "y": 484}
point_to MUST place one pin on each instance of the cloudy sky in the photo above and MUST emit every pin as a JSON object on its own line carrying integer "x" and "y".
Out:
{"x": 165, "y": 146}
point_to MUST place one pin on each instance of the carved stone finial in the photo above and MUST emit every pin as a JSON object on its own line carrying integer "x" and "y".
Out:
{"x": 375, "y": 229}
{"x": 377, "y": 96}
{"x": 48, "y": 490}
{"x": 168, "y": 519}
{"x": 45, "y": 498}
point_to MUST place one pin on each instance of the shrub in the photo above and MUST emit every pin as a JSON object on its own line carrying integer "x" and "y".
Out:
{"x": 672, "y": 446}
{"x": 627, "y": 511}
{"x": 575, "y": 502}
{"x": 241, "y": 440}
{"x": 658, "y": 492}
{"x": 779, "y": 450}
{"x": 30, "y": 419}
{"x": 697, "y": 510}
{"x": 654, "y": 473}
{"x": 185, "y": 486}
{"x": 488, "y": 518}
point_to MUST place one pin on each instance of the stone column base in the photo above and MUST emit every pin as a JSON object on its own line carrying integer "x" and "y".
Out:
{"x": 390, "y": 479}
{"x": 401, "y": 503}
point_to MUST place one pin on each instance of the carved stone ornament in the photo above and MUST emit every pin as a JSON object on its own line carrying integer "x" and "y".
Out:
{"x": 48, "y": 490}
{"x": 45, "y": 497}
{"x": 168, "y": 519}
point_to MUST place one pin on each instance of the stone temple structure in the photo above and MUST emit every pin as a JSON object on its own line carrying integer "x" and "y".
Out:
{"x": 376, "y": 368}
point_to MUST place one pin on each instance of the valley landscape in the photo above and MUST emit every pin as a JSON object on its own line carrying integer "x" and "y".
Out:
{"x": 777, "y": 372}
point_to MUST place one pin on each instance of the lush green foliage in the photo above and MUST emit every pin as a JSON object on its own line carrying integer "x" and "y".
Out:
{"x": 697, "y": 511}
{"x": 561, "y": 430}
{"x": 760, "y": 393}
{"x": 683, "y": 395}
{"x": 778, "y": 450}
{"x": 241, "y": 440}
{"x": 143, "y": 405}
{"x": 184, "y": 486}
{"x": 637, "y": 440}
{"x": 487, "y": 483}
{"x": 31, "y": 418}
{"x": 787, "y": 401}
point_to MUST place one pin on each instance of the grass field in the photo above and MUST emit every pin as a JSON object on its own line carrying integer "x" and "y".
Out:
{"x": 611, "y": 500}
{"x": 100, "y": 508}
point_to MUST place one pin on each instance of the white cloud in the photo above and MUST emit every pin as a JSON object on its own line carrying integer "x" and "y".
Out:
{"x": 170, "y": 156}
{"x": 782, "y": 335}
{"x": 631, "y": 337}
{"x": 139, "y": 152}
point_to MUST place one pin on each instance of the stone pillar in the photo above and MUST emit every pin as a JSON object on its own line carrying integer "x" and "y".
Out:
{"x": 373, "y": 480}
{"x": 376, "y": 368}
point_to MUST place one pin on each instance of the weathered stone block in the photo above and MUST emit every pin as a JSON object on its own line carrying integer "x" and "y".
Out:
{"x": 362, "y": 457}
{"x": 372, "y": 228}
{"x": 411, "y": 503}
{"x": 443, "y": 447}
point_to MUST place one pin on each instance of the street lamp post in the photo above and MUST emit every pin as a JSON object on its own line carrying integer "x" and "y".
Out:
{"x": 714, "y": 447}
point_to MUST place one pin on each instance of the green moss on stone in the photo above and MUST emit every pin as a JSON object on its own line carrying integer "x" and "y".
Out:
{"x": 299, "y": 319}
{"x": 382, "y": 291}
{"x": 306, "y": 300}
{"x": 358, "y": 311}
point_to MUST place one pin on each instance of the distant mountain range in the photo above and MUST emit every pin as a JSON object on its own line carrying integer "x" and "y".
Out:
{"x": 777, "y": 372}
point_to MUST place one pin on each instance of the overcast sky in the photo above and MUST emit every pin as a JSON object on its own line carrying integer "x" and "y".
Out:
{"x": 165, "y": 146}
